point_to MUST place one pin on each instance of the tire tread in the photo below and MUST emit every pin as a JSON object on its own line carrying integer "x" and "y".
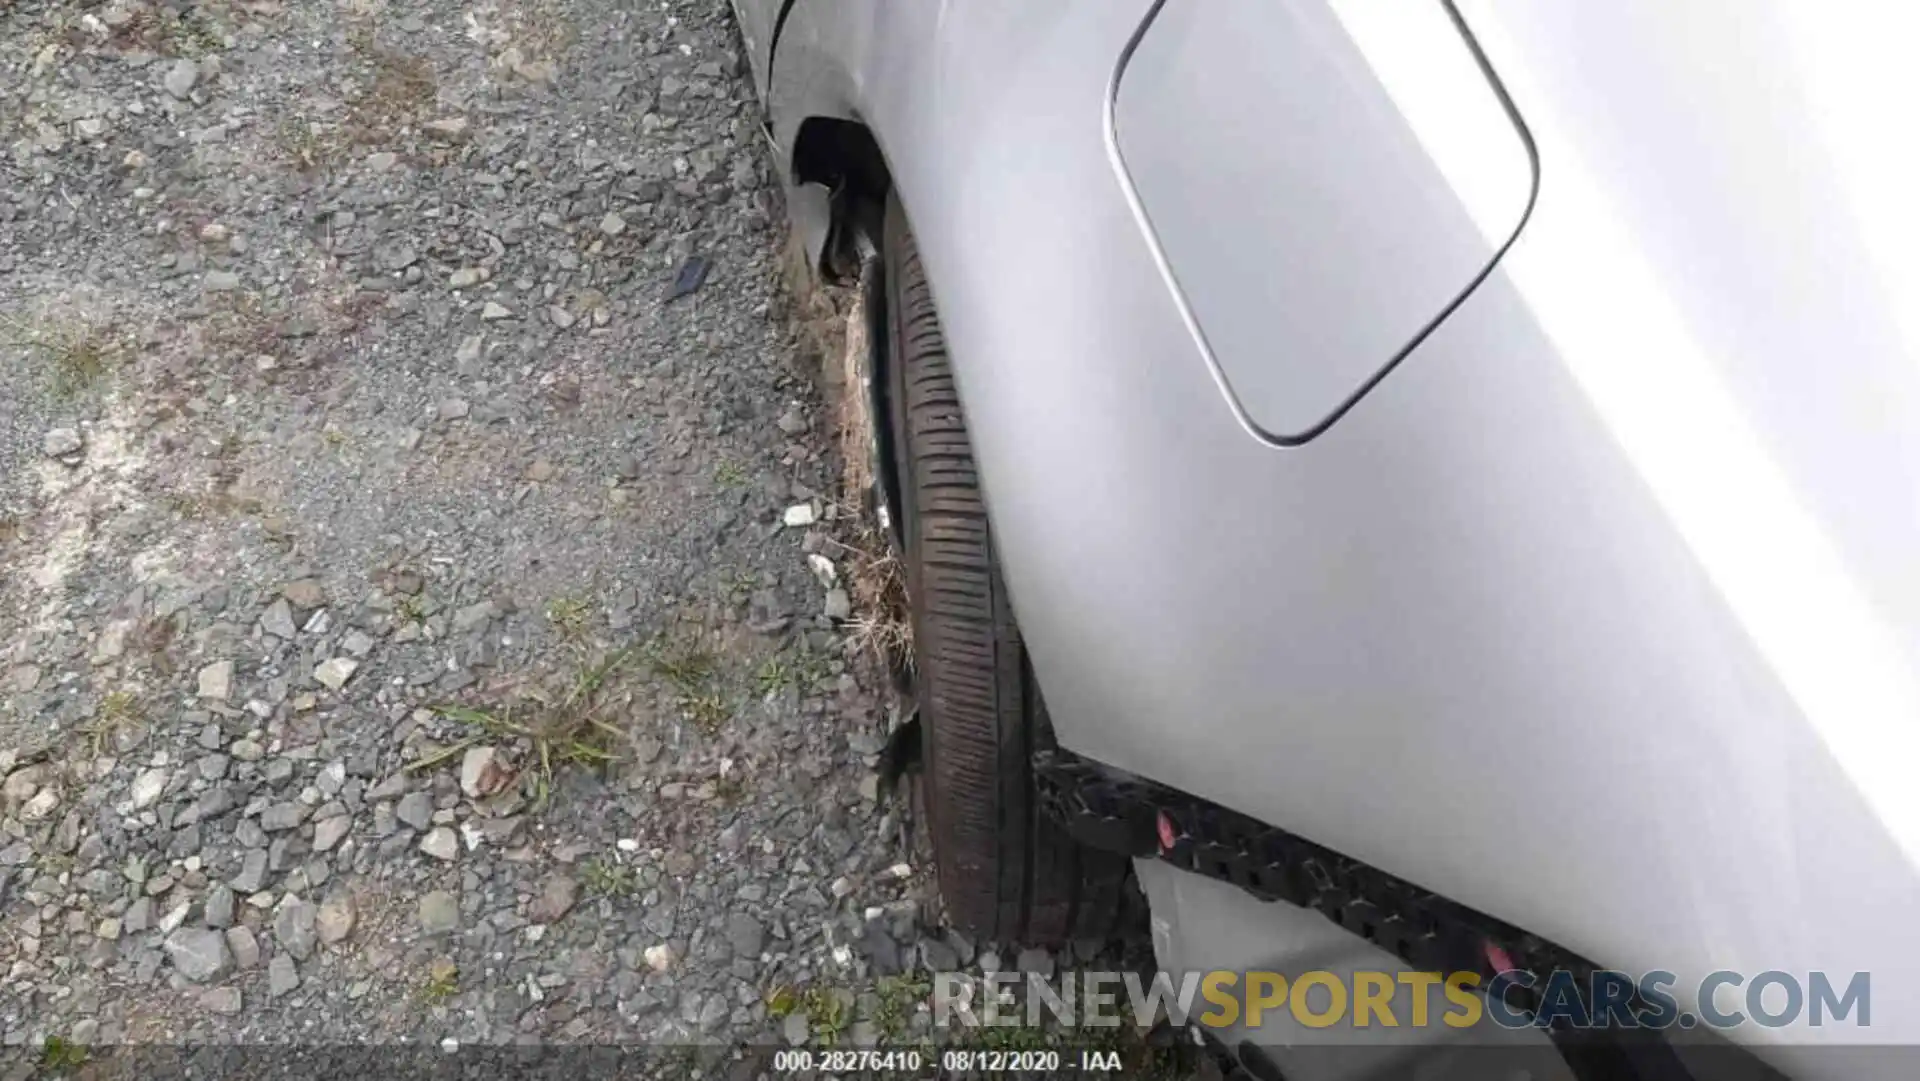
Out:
{"x": 1007, "y": 872}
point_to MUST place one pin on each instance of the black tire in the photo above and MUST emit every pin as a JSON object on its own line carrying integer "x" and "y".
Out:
{"x": 1007, "y": 872}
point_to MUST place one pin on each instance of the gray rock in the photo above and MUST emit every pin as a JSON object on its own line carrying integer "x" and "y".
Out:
{"x": 1036, "y": 961}
{"x": 483, "y": 771}
{"x": 221, "y": 281}
{"x": 180, "y": 78}
{"x": 305, "y": 593}
{"x": 100, "y": 882}
{"x": 746, "y": 935}
{"x": 415, "y": 810}
{"x": 216, "y": 680}
{"x": 881, "y": 950}
{"x": 334, "y": 673}
{"x": 937, "y": 956}
{"x": 248, "y": 834}
{"x": 293, "y": 927}
{"x": 283, "y": 976}
{"x": 397, "y": 256}
{"x": 199, "y": 954}
{"x": 184, "y": 842}
{"x": 253, "y": 872}
{"x": 22, "y": 784}
{"x": 466, "y": 357}
{"x": 329, "y": 832}
{"x": 62, "y": 442}
{"x": 219, "y": 907}
{"x": 333, "y": 777}
{"x": 277, "y": 620}
{"x": 245, "y": 948}
{"x": 213, "y": 803}
{"x": 555, "y": 899}
{"x": 284, "y": 816}
{"x": 474, "y": 615}
{"x": 713, "y": 1013}
{"x": 839, "y": 605}
{"x": 147, "y": 787}
{"x": 439, "y": 913}
{"x": 224, "y": 1001}
{"x": 138, "y": 917}
{"x": 336, "y": 919}
{"x": 441, "y": 843}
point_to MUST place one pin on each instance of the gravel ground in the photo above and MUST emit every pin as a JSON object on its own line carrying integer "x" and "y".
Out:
{"x": 407, "y": 632}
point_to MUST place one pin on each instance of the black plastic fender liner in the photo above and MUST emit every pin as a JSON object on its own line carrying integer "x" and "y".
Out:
{"x": 1104, "y": 807}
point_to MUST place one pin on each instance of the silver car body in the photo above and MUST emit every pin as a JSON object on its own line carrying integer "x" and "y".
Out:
{"x": 1560, "y": 551}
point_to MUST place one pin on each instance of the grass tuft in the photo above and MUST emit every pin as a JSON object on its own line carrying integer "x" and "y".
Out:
{"x": 79, "y": 353}
{"x": 781, "y": 1001}
{"x": 775, "y": 676}
{"x": 118, "y": 712}
{"x": 605, "y": 878}
{"x": 693, "y": 674}
{"x": 411, "y": 609}
{"x": 442, "y": 982}
{"x": 569, "y": 615}
{"x": 709, "y": 711}
{"x": 572, "y": 728}
{"x": 59, "y": 1055}
{"x": 829, "y": 1013}
{"x": 686, "y": 667}
{"x": 307, "y": 145}
{"x": 801, "y": 671}
{"x": 897, "y": 998}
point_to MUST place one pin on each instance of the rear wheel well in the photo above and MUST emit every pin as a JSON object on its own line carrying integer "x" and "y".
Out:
{"x": 843, "y": 157}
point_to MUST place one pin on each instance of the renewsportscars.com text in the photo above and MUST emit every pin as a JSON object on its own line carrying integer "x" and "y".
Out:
{"x": 1604, "y": 999}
